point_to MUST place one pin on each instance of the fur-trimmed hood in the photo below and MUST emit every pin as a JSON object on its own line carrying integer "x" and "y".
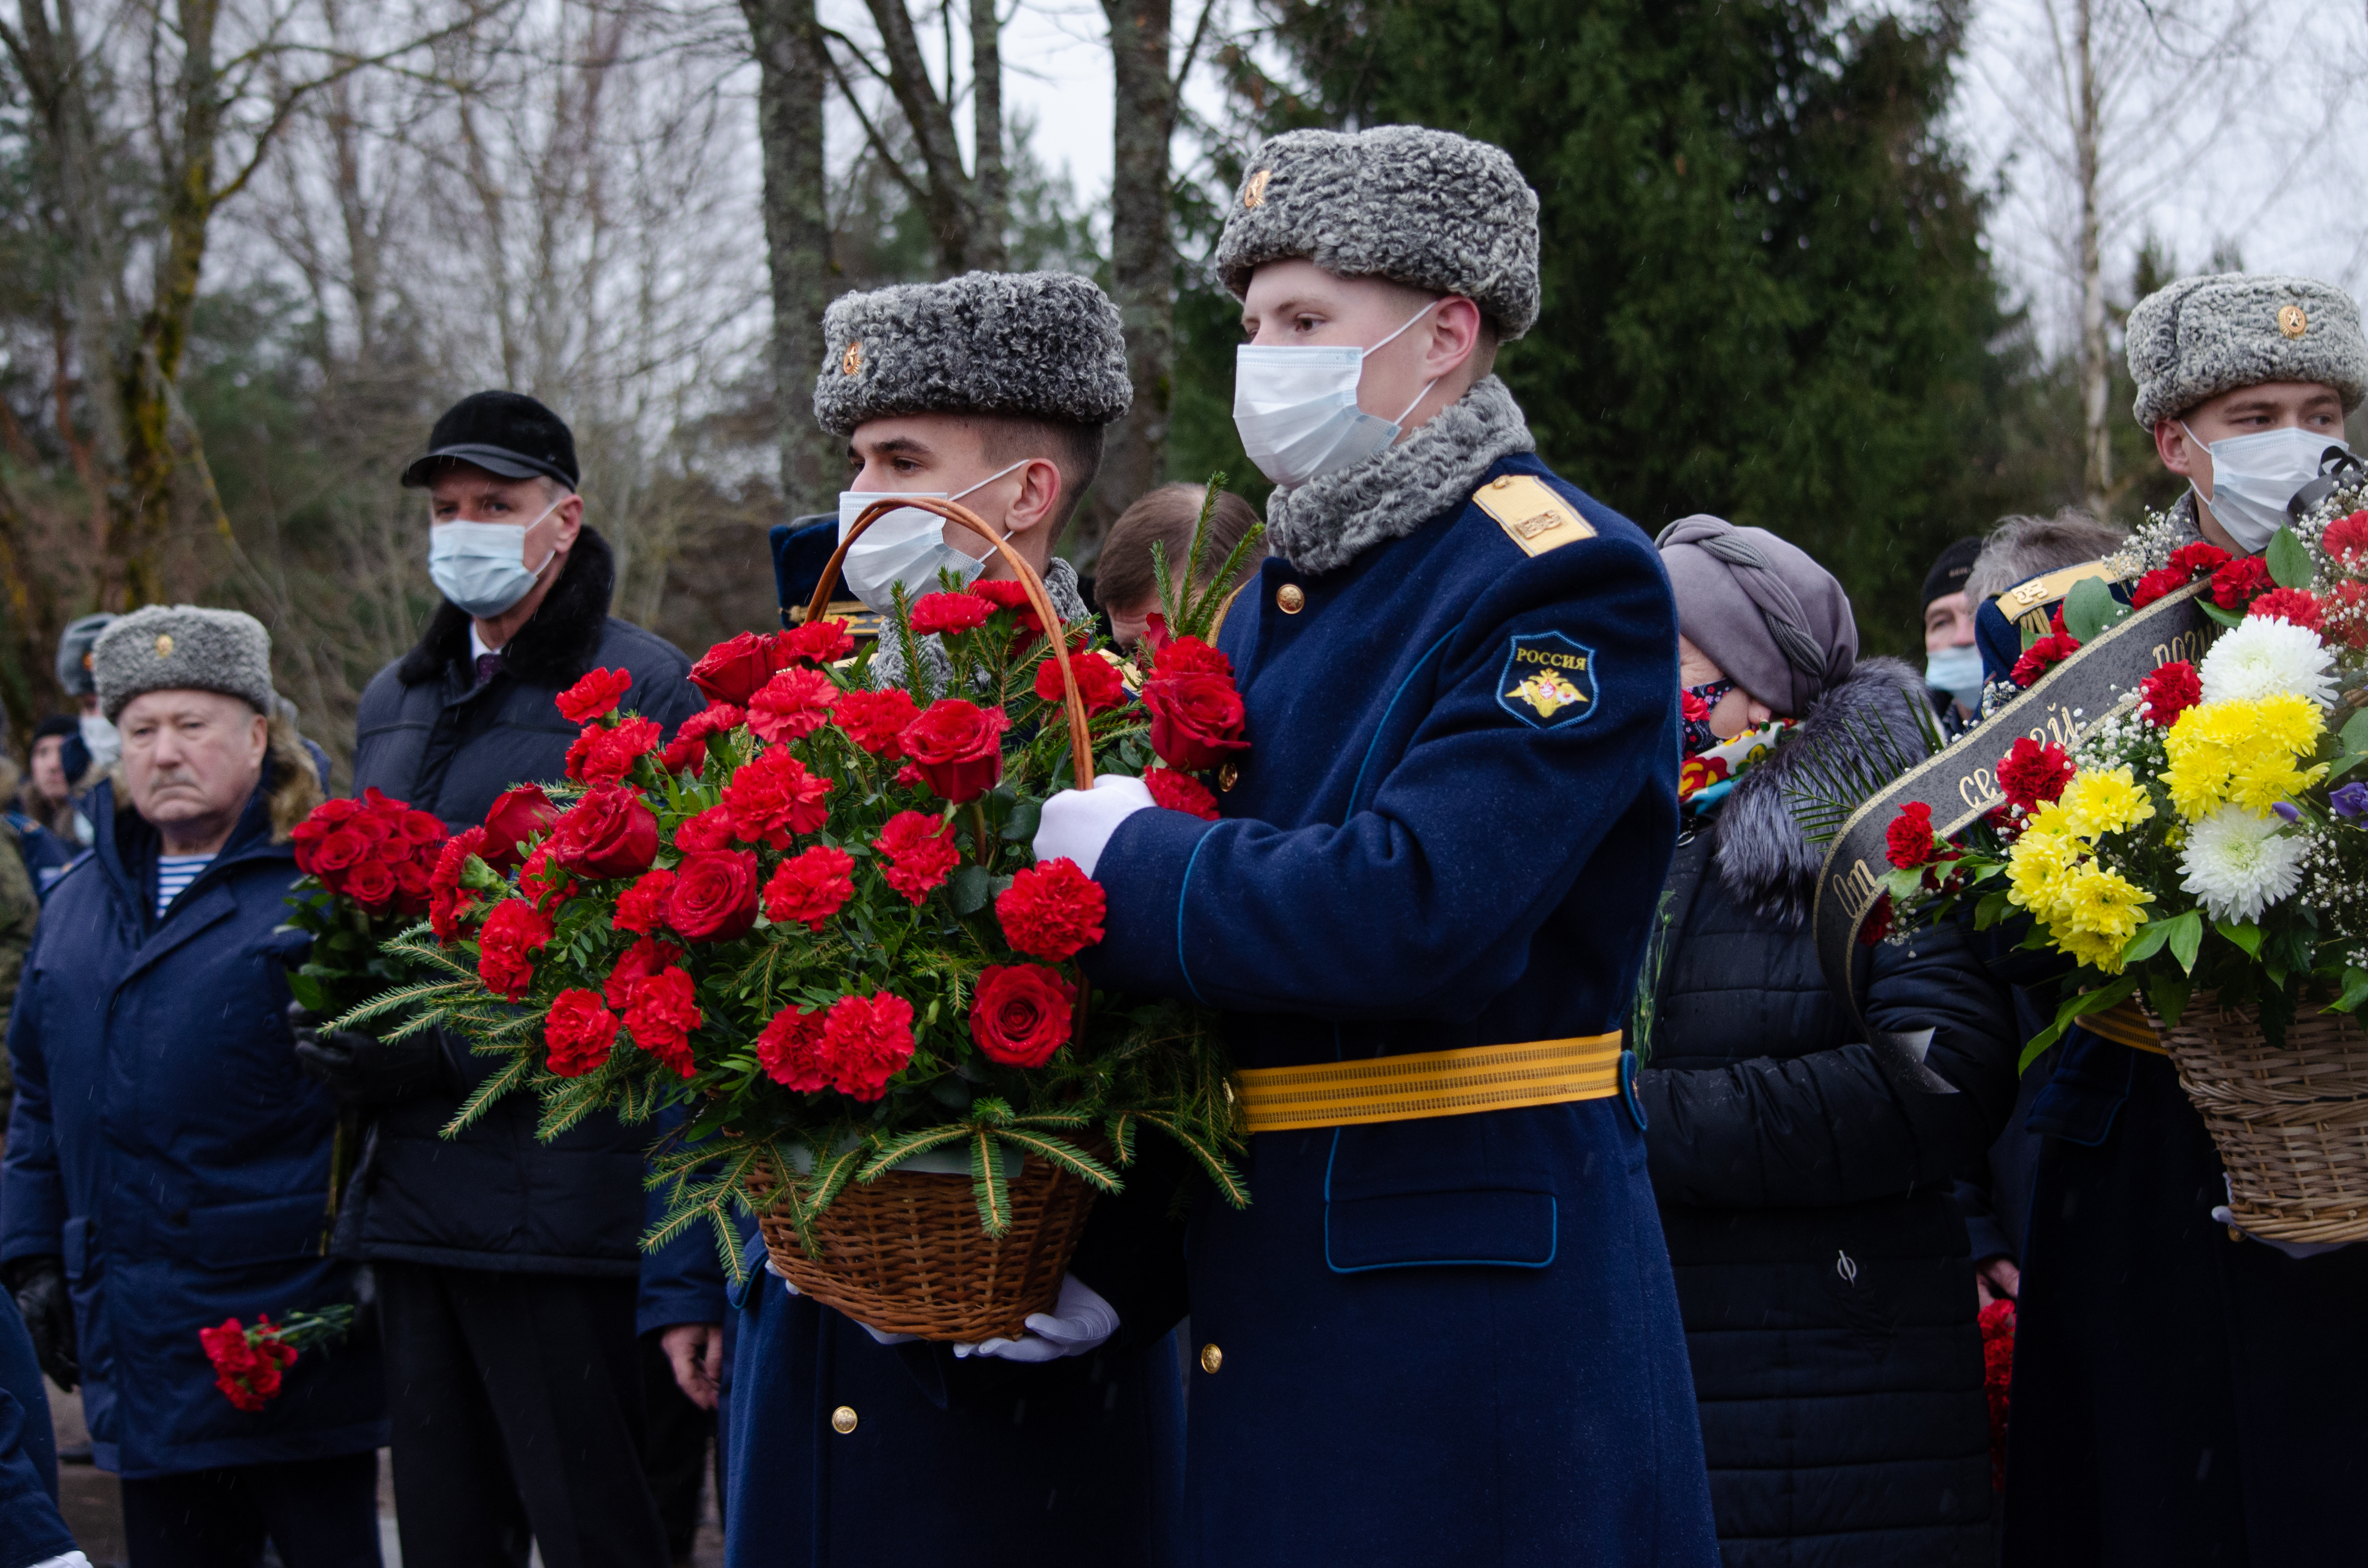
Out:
{"x": 556, "y": 648}
{"x": 1761, "y": 854}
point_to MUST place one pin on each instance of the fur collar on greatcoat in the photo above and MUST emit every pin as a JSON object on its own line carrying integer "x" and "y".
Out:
{"x": 1762, "y": 856}
{"x": 556, "y": 648}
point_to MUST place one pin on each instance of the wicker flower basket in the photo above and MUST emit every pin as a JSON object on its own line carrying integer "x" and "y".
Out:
{"x": 2291, "y": 1123}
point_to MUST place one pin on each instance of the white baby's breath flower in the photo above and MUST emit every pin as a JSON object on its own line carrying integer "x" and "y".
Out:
{"x": 2239, "y": 864}
{"x": 2259, "y": 658}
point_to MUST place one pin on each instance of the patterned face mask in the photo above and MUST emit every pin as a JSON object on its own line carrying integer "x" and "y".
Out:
{"x": 1695, "y": 704}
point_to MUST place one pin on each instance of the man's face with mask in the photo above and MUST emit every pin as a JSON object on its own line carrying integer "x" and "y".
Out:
{"x": 1021, "y": 495}
{"x": 2182, "y": 443}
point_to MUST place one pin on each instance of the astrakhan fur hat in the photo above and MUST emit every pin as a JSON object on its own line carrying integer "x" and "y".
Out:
{"x": 2202, "y": 336}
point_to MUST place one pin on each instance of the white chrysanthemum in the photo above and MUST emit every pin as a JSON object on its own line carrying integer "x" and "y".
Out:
{"x": 2263, "y": 658}
{"x": 2239, "y": 864}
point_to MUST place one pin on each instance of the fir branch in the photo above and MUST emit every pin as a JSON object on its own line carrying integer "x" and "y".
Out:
{"x": 491, "y": 1089}
{"x": 1064, "y": 1155}
{"x": 1835, "y": 780}
{"x": 1230, "y": 1184}
{"x": 987, "y": 1183}
{"x": 892, "y": 1151}
{"x": 404, "y": 995}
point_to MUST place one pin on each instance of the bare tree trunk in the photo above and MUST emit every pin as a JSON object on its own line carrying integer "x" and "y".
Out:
{"x": 1142, "y": 258}
{"x": 794, "y": 76}
{"x": 990, "y": 179}
{"x": 2096, "y": 368}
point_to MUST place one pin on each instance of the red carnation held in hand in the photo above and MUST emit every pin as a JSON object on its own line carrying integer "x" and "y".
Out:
{"x": 645, "y": 958}
{"x": 513, "y": 930}
{"x": 247, "y": 1362}
{"x": 594, "y": 696}
{"x": 642, "y": 907}
{"x": 1019, "y": 1014}
{"x": 714, "y": 895}
{"x": 874, "y": 720}
{"x": 957, "y": 746}
{"x": 794, "y": 704}
{"x": 773, "y": 797}
{"x": 2166, "y": 694}
{"x": 515, "y": 817}
{"x": 609, "y": 832}
{"x": 943, "y": 614}
{"x": 2235, "y": 585}
{"x": 920, "y": 853}
{"x": 733, "y": 671}
{"x": 822, "y": 641}
{"x": 663, "y": 1012}
{"x": 1098, "y": 683}
{"x": 812, "y": 886}
{"x": 865, "y": 1040}
{"x": 2031, "y": 774}
{"x": 1909, "y": 842}
{"x": 1181, "y": 792}
{"x": 1053, "y": 910}
{"x": 579, "y": 1031}
{"x": 790, "y": 1050}
{"x": 448, "y": 904}
{"x": 600, "y": 754}
{"x": 688, "y": 747}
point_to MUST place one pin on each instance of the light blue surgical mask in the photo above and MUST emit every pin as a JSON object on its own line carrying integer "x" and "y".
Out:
{"x": 907, "y": 545}
{"x": 1958, "y": 672}
{"x": 482, "y": 566}
{"x": 2254, "y": 476}
{"x": 1296, "y": 406}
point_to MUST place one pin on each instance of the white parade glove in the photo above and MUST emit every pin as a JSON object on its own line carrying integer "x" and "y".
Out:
{"x": 878, "y": 1338}
{"x": 2227, "y": 1217}
{"x": 1077, "y": 823}
{"x": 1078, "y": 1323}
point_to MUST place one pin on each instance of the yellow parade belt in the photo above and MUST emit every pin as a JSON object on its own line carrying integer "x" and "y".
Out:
{"x": 2123, "y": 1025}
{"x": 1431, "y": 1083}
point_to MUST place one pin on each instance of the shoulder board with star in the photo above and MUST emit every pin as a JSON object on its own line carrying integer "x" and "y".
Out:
{"x": 1533, "y": 516}
{"x": 2037, "y": 596}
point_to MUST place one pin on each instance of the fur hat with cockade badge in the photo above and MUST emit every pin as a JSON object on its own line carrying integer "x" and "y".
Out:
{"x": 1034, "y": 344}
{"x": 2202, "y": 336}
{"x": 183, "y": 648}
{"x": 1428, "y": 208}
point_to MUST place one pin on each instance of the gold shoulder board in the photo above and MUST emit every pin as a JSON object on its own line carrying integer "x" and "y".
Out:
{"x": 1531, "y": 515}
{"x": 2026, "y": 597}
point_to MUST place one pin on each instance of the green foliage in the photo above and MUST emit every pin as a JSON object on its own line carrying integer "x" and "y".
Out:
{"x": 2090, "y": 609}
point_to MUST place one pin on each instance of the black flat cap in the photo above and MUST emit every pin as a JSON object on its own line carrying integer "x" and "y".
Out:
{"x": 505, "y": 432}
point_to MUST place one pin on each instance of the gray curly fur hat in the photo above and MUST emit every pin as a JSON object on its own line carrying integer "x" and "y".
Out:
{"x": 183, "y": 648}
{"x": 1428, "y": 208}
{"x": 2202, "y": 336}
{"x": 1039, "y": 345}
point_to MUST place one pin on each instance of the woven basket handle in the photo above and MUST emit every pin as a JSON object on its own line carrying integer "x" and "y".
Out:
{"x": 1081, "y": 750}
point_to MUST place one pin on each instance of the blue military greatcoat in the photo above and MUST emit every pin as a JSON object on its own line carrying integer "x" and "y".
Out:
{"x": 1454, "y": 1339}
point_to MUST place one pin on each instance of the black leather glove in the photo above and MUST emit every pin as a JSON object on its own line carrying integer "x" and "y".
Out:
{"x": 40, "y": 1286}
{"x": 362, "y": 1068}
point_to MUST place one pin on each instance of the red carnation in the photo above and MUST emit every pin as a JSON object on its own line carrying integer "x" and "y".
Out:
{"x": 645, "y": 958}
{"x": 1191, "y": 656}
{"x": 714, "y": 895}
{"x": 642, "y": 907}
{"x": 944, "y": 614}
{"x": 824, "y": 642}
{"x": 2238, "y": 581}
{"x": 609, "y": 832}
{"x": 2041, "y": 657}
{"x": 514, "y": 817}
{"x": 790, "y": 1050}
{"x": 1020, "y": 1014}
{"x": 2166, "y": 694}
{"x": 732, "y": 672}
{"x": 2155, "y": 584}
{"x": 1878, "y": 923}
{"x": 543, "y": 882}
{"x": 663, "y": 1012}
{"x": 614, "y": 751}
{"x": 865, "y": 1040}
{"x": 710, "y": 829}
{"x": 2197, "y": 560}
{"x": 1181, "y": 792}
{"x": 794, "y": 704}
{"x": 811, "y": 887}
{"x": 1196, "y": 719}
{"x": 2347, "y": 616}
{"x": 1053, "y": 910}
{"x": 1909, "y": 842}
{"x": 2346, "y": 540}
{"x": 2031, "y": 774}
{"x": 513, "y": 930}
{"x": 594, "y": 696}
{"x": 579, "y": 1032}
{"x": 874, "y": 720}
{"x": 1013, "y": 597}
{"x": 1997, "y": 1322}
{"x": 2297, "y": 605}
{"x": 920, "y": 853}
{"x": 773, "y": 797}
{"x": 448, "y": 904}
{"x": 247, "y": 1361}
{"x": 688, "y": 747}
{"x": 957, "y": 746}
{"x": 1099, "y": 682}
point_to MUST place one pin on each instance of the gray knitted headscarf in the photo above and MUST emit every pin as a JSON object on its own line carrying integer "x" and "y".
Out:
{"x": 1773, "y": 620}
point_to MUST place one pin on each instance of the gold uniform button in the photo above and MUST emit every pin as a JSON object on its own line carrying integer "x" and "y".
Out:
{"x": 1211, "y": 1357}
{"x": 842, "y": 1420}
{"x": 1290, "y": 598}
{"x": 1228, "y": 776}
{"x": 164, "y": 644}
{"x": 2292, "y": 320}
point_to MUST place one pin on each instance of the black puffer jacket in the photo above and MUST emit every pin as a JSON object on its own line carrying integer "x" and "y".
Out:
{"x": 1822, "y": 1271}
{"x": 494, "y": 1197}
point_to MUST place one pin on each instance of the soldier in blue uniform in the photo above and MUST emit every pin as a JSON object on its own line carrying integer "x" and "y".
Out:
{"x": 1444, "y": 1329}
{"x": 2184, "y": 1394}
{"x": 849, "y": 1449}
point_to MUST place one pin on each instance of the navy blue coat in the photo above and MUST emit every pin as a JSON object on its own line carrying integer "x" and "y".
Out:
{"x": 30, "y": 1530}
{"x": 165, "y": 1146}
{"x": 1453, "y": 1340}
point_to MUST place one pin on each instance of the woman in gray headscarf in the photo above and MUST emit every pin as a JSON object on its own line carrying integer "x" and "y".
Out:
{"x": 1828, "y": 1301}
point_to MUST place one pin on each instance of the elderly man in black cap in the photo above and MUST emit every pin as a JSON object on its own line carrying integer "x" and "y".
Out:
{"x": 506, "y": 1266}
{"x": 1952, "y": 664}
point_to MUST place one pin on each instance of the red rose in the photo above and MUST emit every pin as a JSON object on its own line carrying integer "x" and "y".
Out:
{"x": 1154, "y": 633}
{"x": 865, "y": 1040}
{"x": 448, "y": 904}
{"x": 372, "y": 884}
{"x": 2155, "y": 584}
{"x": 688, "y": 747}
{"x": 824, "y": 642}
{"x": 794, "y": 704}
{"x": 2031, "y": 774}
{"x": 711, "y": 829}
{"x": 732, "y": 672}
{"x": 642, "y": 907}
{"x": 2236, "y": 583}
{"x": 2346, "y": 540}
{"x": 2041, "y": 656}
{"x": 663, "y": 1012}
{"x": 613, "y": 752}
{"x": 773, "y": 797}
{"x": 515, "y": 817}
{"x": 790, "y": 1050}
{"x": 543, "y": 882}
{"x": 422, "y": 828}
{"x": 2197, "y": 560}
{"x": 714, "y": 896}
{"x": 874, "y": 720}
{"x": 1196, "y": 720}
{"x": 957, "y": 746}
{"x": 920, "y": 853}
{"x": 1099, "y": 682}
{"x": 609, "y": 832}
{"x": 337, "y": 851}
{"x": 1181, "y": 792}
{"x": 594, "y": 696}
{"x": 2298, "y": 606}
{"x": 635, "y": 964}
{"x": 579, "y": 1032}
{"x": 1053, "y": 910}
{"x": 1191, "y": 656}
{"x": 1020, "y": 1013}
{"x": 1909, "y": 842}
{"x": 513, "y": 930}
{"x": 942, "y": 614}
{"x": 2166, "y": 694}
{"x": 811, "y": 887}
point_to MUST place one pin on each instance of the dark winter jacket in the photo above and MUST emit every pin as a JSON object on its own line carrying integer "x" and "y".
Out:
{"x": 1822, "y": 1271}
{"x": 166, "y": 1147}
{"x": 493, "y": 1196}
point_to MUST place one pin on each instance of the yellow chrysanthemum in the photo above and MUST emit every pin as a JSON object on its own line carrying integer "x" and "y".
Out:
{"x": 2036, "y": 869}
{"x": 2095, "y": 804}
{"x": 2092, "y": 948}
{"x": 2099, "y": 903}
{"x": 2242, "y": 751}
